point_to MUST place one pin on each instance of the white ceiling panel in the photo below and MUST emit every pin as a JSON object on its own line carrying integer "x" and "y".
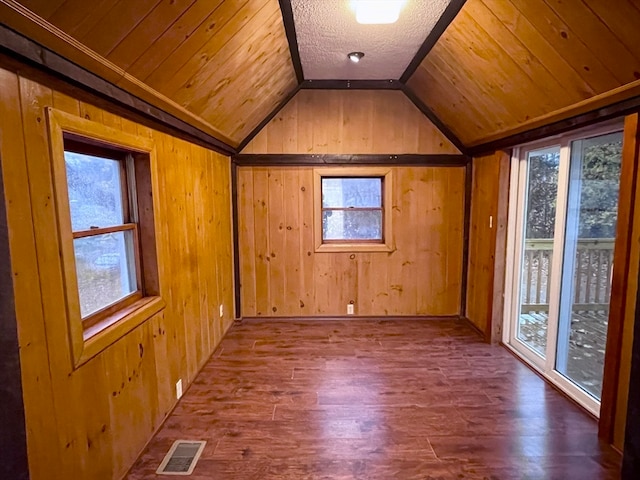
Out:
{"x": 327, "y": 31}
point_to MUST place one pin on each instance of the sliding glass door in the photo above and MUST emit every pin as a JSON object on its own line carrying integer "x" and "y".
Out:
{"x": 563, "y": 220}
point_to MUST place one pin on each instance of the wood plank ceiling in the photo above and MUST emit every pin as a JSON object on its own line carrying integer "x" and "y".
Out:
{"x": 225, "y": 61}
{"x": 500, "y": 68}
{"x": 506, "y": 66}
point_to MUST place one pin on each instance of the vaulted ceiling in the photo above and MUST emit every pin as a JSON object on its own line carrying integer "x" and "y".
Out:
{"x": 224, "y": 66}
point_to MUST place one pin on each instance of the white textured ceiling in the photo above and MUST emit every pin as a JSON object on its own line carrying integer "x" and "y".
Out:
{"x": 327, "y": 31}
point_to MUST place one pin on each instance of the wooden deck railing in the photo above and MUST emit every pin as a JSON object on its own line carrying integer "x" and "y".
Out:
{"x": 594, "y": 264}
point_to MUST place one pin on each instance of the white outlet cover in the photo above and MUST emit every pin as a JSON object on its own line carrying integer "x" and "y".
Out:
{"x": 350, "y": 309}
{"x": 179, "y": 389}
{"x": 221, "y": 311}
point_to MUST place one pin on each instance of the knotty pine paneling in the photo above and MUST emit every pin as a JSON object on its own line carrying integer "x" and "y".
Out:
{"x": 506, "y": 66}
{"x": 225, "y": 61}
{"x": 92, "y": 422}
{"x": 351, "y": 122}
{"x": 282, "y": 275}
{"x": 487, "y": 236}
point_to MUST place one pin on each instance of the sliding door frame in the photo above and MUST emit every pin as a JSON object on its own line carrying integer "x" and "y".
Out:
{"x": 545, "y": 366}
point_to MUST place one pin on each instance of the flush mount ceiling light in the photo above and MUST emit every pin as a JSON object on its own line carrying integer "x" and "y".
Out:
{"x": 377, "y": 12}
{"x": 355, "y": 57}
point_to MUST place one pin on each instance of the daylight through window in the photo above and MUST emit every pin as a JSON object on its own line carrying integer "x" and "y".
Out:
{"x": 352, "y": 209}
{"x": 105, "y": 232}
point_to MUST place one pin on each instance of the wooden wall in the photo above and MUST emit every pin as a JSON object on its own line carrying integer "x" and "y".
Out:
{"x": 350, "y": 122}
{"x": 281, "y": 275}
{"x": 506, "y": 66}
{"x": 92, "y": 422}
{"x": 487, "y": 243}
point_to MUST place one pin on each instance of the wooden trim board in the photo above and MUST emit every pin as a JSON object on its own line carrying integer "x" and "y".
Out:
{"x": 468, "y": 188}
{"x": 631, "y": 456}
{"x": 292, "y": 38}
{"x": 620, "y": 277}
{"x": 351, "y": 85}
{"x": 13, "y": 437}
{"x": 236, "y": 241}
{"x": 294, "y": 159}
{"x": 356, "y": 317}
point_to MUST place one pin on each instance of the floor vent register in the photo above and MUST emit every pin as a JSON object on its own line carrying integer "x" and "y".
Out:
{"x": 181, "y": 458}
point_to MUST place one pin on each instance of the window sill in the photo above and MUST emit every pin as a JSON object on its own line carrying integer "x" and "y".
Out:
{"x": 114, "y": 327}
{"x": 355, "y": 247}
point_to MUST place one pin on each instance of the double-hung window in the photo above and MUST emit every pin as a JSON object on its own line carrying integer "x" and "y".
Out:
{"x": 103, "y": 183}
{"x": 352, "y": 209}
{"x": 105, "y": 230}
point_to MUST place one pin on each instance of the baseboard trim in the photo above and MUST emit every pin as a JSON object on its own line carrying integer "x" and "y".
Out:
{"x": 351, "y": 317}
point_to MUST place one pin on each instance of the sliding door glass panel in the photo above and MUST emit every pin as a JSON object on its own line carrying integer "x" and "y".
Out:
{"x": 538, "y": 247}
{"x": 592, "y": 206}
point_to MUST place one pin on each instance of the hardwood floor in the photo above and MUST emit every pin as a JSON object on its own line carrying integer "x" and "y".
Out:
{"x": 368, "y": 399}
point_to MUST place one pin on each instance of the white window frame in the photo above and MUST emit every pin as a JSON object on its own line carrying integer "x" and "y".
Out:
{"x": 545, "y": 366}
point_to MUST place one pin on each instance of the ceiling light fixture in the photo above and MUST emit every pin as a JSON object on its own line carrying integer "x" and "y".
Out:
{"x": 355, "y": 57}
{"x": 377, "y": 12}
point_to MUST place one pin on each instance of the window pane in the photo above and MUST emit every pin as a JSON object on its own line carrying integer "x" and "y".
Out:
{"x": 542, "y": 189}
{"x": 105, "y": 265}
{"x": 352, "y": 225}
{"x": 594, "y": 185}
{"x": 351, "y": 192}
{"x": 95, "y": 191}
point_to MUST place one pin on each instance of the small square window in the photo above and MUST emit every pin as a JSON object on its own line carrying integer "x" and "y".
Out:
{"x": 351, "y": 206}
{"x": 352, "y": 209}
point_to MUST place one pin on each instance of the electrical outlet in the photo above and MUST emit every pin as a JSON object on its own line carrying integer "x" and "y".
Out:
{"x": 179, "y": 389}
{"x": 350, "y": 309}
{"x": 221, "y": 311}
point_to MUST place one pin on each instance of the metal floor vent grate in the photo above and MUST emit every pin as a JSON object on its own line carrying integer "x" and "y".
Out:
{"x": 181, "y": 458}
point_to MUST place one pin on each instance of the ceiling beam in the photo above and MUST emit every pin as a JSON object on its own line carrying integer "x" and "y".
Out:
{"x": 351, "y": 85}
{"x": 26, "y": 50}
{"x": 441, "y": 25}
{"x": 292, "y": 38}
{"x": 427, "y": 112}
{"x": 295, "y": 159}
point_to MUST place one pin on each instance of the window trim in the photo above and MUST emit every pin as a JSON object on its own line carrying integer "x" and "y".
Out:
{"x": 86, "y": 341}
{"x": 386, "y": 245}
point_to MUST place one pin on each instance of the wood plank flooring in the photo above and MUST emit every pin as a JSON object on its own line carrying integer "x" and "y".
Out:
{"x": 376, "y": 399}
